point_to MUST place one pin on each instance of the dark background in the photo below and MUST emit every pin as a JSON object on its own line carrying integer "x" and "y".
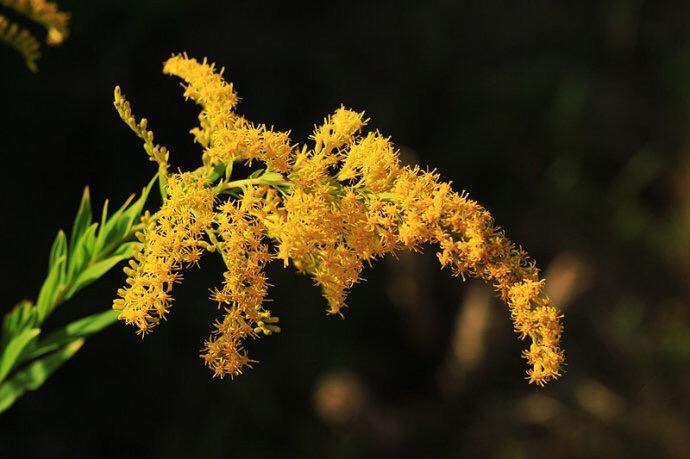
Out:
{"x": 568, "y": 120}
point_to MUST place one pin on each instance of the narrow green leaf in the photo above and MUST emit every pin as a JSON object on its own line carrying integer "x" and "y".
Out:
{"x": 78, "y": 329}
{"x": 104, "y": 215}
{"x": 15, "y": 347}
{"x": 88, "y": 239}
{"x": 257, "y": 173}
{"x": 8, "y": 394}
{"x": 218, "y": 171}
{"x": 34, "y": 375}
{"x": 93, "y": 272}
{"x": 163, "y": 186}
{"x": 82, "y": 220}
{"x": 104, "y": 235}
{"x": 82, "y": 251}
{"x": 134, "y": 212}
{"x": 49, "y": 289}
{"x": 127, "y": 249}
{"x": 19, "y": 318}
{"x": 58, "y": 249}
{"x": 119, "y": 225}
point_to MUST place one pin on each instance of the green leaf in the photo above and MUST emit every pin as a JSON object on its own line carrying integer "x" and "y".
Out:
{"x": 120, "y": 224}
{"x": 105, "y": 234}
{"x": 82, "y": 220}
{"x": 49, "y": 289}
{"x": 88, "y": 240}
{"x": 58, "y": 249}
{"x": 127, "y": 249}
{"x": 78, "y": 329}
{"x": 218, "y": 171}
{"x": 256, "y": 173}
{"x": 134, "y": 212}
{"x": 20, "y": 317}
{"x": 14, "y": 349}
{"x": 272, "y": 177}
{"x": 104, "y": 214}
{"x": 93, "y": 272}
{"x": 163, "y": 186}
{"x": 82, "y": 251}
{"x": 35, "y": 374}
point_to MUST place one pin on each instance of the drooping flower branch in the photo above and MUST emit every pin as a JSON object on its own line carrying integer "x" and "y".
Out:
{"x": 325, "y": 208}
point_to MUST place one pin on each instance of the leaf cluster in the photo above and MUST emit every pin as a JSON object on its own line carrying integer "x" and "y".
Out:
{"x": 28, "y": 355}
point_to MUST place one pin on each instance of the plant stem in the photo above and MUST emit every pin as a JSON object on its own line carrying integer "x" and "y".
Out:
{"x": 254, "y": 181}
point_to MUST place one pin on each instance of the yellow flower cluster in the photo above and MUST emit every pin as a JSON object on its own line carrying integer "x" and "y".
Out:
{"x": 171, "y": 238}
{"x": 225, "y": 135}
{"x": 326, "y": 210}
{"x": 240, "y": 232}
{"x": 207, "y": 88}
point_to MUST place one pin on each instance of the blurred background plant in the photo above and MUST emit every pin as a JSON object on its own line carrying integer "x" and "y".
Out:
{"x": 568, "y": 120}
{"x": 18, "y": 18}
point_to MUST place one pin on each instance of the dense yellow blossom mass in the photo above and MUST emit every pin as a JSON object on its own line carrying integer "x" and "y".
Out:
{"x": 170, "y": 240}
{"x": 326, "y": 209}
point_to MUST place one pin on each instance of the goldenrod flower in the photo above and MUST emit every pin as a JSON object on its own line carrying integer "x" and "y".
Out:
{"x": 337, "y": 130}
{"x": 241, "y": 140}
{"x": 374, "y": 159}
{"x": 327, "y": 209}
{"x": 240, "y": 240}
{"x": 171, "y": 239}
{"x": 207, "y": 88}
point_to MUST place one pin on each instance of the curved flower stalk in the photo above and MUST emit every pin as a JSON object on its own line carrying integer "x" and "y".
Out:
{"x": 326, "y": 208}
{"x": 42, "y": 12}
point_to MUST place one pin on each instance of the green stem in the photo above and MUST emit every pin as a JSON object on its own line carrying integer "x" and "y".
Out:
{"x": 254, "y": 181}
{"x": 214, "y": 241}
